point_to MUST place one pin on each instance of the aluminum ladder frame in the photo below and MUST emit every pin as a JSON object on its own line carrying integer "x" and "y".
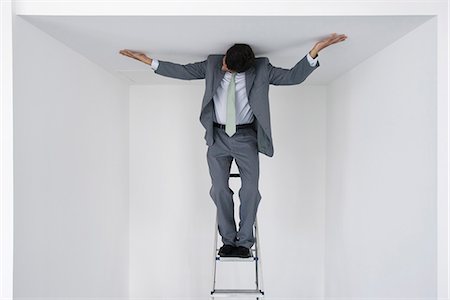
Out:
{"x": 255, "y": 257}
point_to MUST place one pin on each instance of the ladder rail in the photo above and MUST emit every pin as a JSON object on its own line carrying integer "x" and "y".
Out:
{"x": 214, "y": 254}
{"x": 259, "y": 273}
{"x": 257, "y": 255}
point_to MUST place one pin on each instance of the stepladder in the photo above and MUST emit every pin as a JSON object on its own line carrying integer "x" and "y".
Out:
{"x": 257, "y": 290}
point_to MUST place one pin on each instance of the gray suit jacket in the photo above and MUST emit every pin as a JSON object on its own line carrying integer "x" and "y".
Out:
{"x": 257, "y": 80}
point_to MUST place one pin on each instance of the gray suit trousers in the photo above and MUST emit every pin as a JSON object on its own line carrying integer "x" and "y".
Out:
{"x": 242, "y": 147}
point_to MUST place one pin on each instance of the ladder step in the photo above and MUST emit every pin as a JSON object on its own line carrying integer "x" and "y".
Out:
{"x": 237, "y": 259}
{"x": 253, "y": 257}
{"x": 236, "y": 293}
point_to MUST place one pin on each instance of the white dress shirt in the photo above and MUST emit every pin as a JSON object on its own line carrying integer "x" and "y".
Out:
{"x": 244, "y": 114}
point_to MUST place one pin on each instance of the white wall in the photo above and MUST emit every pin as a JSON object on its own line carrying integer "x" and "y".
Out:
{"x": 6, "y": 152}
{"x": 381, "y": 226}
{"x": 70, "y": 172}
{"x": 172, "y": 215}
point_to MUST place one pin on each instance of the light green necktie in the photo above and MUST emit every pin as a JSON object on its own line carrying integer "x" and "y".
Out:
{"x": 230, "y": 126}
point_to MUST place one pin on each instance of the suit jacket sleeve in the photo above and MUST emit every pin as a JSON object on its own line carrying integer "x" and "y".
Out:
{"x": 295, "y": 75}
{"x": 196, "y": 70}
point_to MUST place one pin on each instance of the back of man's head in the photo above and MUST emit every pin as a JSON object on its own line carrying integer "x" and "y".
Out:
{"x": 239, "y": 58}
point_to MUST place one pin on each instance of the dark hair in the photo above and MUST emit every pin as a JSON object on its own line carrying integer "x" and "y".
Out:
{"x": 240, "y": 58}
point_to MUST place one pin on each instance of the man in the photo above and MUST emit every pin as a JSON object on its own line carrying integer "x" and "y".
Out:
{"x": 235, "y": 113}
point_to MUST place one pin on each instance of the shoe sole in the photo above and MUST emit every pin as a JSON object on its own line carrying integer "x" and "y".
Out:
{"x": 241, "y": 256}
{"x": 235, "y": 255}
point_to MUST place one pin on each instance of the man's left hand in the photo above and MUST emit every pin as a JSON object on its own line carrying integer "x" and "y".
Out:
{"x": 332, "y": 39}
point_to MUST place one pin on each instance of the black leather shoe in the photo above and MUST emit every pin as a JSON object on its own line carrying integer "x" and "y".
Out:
{"x": 241, "y": 251}
{"x": 226, "y": 250}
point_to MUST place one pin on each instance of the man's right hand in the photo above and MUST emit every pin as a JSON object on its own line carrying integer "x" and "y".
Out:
{"x": 136, "y": 55}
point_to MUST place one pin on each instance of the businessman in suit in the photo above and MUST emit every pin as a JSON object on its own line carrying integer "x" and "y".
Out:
{"x": 235, "y": 114}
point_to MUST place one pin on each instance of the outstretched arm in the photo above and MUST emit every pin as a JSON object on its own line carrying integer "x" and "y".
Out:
{"x": 196, "y": 70}
{"x": 297, "y": 74}
{"x": 189, "y": 71}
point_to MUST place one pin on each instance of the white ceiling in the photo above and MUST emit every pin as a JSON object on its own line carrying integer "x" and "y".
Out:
{"x": 184, "y": 39}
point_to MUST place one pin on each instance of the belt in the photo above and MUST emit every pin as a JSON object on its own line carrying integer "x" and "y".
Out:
{"x": 237, "y": 126}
